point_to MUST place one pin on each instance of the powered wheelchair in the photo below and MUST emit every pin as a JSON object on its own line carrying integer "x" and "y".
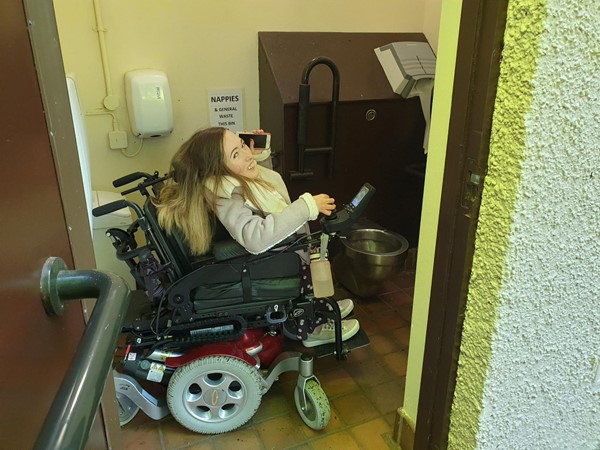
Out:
{"x": 210, "y": 334}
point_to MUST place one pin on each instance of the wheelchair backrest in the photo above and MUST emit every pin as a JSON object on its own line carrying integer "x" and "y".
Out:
{"x": 172, "y": 245}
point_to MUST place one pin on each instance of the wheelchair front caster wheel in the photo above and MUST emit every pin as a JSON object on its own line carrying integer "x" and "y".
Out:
{"x": 127, "y": 409}
{"x": 317, "y": 411}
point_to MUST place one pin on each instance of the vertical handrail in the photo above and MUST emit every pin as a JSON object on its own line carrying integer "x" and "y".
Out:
{"x": 70, "y": 418}
{"x": 303, "y": 105}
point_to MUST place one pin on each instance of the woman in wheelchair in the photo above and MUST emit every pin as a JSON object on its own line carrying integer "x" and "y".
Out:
{"x": 211, "y": 332}
{"x": 214, "y": 176}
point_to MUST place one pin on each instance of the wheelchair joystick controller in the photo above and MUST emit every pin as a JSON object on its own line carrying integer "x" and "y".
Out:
{"x": 344, "y": 219}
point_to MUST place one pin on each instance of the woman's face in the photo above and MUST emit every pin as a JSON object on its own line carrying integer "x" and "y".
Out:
{"x": 238, "y": 156}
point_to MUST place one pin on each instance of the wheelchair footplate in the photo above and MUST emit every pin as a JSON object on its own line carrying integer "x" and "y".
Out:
{"x": 359, "y": 340}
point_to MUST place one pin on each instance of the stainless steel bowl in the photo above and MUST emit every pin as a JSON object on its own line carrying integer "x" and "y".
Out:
{"x": 370, "y": 257}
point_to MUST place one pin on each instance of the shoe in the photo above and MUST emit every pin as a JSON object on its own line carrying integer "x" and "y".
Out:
{"x": 325, "y": 334}
{"x": 346, "y": 307}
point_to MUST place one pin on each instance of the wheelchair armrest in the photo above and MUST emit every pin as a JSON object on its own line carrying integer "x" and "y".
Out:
{"x": 228, "y": 249}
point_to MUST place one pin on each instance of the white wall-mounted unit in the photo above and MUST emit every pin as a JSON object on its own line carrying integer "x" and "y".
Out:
{"x": 410, "y": 69}
{"x": 149, "y": 103}
{"x": 405, "y": 64}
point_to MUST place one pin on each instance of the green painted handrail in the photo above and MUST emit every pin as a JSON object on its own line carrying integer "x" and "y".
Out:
{"x": 70, "y": 418}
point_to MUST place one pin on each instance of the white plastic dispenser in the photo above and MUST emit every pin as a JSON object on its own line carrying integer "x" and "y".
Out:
{"x": 410, "y": 69}
{"x": 149, "y": 103}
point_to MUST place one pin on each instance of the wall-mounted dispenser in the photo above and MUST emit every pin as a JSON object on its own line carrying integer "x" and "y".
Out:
{"x": 149, "y": 103}
{"x": 410, "y": 69}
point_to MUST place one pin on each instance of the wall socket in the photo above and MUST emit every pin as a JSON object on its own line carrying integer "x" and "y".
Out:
{"x": 117, "y": 139}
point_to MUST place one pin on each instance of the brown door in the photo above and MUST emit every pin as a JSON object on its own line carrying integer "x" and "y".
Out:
{"x": 36, "y": 349}
{"x": 475, "y": 81}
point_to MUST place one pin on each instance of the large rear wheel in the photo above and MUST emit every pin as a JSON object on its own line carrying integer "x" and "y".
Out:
{"x": 215, "y": 394}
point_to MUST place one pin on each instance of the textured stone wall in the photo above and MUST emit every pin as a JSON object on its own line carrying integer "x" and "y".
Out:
{"x": 531, "y": 338}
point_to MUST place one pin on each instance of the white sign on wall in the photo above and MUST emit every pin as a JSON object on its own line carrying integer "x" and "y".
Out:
{"x": 225, "y": 108}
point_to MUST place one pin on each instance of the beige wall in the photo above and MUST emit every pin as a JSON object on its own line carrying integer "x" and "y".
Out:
{"x": 431, "y": 22}
{"x": 201, "y": 46}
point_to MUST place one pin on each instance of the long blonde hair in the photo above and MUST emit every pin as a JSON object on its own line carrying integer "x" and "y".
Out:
{"x": 184, "y": 203}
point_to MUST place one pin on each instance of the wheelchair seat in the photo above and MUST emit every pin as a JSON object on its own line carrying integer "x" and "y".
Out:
{"x": 228, "y": 275}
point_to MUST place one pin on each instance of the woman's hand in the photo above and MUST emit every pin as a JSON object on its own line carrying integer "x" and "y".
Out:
{"x": 325, "y": 203}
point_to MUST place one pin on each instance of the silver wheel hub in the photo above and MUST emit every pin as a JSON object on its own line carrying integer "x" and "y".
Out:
{"x": 215, "y": 396}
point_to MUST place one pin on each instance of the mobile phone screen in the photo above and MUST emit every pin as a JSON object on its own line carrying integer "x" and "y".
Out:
{"x": 260, "y": 140}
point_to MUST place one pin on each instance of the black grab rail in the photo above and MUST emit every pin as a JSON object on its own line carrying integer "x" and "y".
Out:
{"x": 68, "y": 423}
{"x": 303, "y": 104}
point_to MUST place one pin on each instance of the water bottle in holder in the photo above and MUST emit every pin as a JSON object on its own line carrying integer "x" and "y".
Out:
{"x": 320, "y": 271}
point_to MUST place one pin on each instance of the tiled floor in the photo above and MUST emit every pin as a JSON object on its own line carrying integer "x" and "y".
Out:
{"x": 364, "y": 392}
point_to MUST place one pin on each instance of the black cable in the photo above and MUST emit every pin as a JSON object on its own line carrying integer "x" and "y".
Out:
{"x": 156, "y": 319}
